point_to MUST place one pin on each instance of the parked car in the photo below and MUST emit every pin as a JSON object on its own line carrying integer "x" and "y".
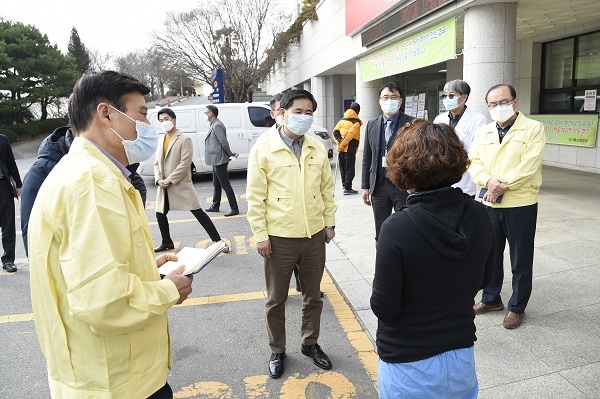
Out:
{"x": 245, "y": 122}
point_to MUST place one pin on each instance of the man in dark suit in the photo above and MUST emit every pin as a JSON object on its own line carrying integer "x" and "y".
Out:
{"x": 377, "y": 190}
{"x": 218, "y": 154}
{"x": 8, "y": 168}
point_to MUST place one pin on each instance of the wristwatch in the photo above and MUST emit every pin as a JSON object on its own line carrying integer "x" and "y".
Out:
{"x": 330, "y": 227}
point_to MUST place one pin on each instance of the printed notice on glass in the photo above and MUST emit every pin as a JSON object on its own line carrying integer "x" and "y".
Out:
{"x": 590, "y": 100}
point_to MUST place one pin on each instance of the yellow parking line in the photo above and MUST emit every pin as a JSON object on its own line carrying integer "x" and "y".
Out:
{"x": 194, "y": 220}
{"x": 355, "y": 333}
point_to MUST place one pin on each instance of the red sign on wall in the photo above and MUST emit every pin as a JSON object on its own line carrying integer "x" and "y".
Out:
{"x": 360, "y": 12}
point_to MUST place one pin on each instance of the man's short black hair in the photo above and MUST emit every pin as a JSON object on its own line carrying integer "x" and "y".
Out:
{"x": 511, "y": 89}
{"x": 274, "y": 99}
{"x": 213, "y": 109}
{"x": 288, "y": 98}
{"x": 391, "y": 87}
{"x": 96, "y": 87}
{"x": 167, "y": 111}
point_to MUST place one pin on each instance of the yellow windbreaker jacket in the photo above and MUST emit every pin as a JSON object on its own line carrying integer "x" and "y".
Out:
{"x": 349, "y": 131}
{"x": 518, "y": 160}
{"x": 287, "y": 198}
{"x": 99, "y": 304}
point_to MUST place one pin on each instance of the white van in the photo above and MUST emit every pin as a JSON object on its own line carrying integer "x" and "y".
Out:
{"x": 245, "y": 122}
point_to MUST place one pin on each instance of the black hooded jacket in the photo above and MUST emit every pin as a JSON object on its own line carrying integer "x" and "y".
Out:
{"x": 432, "y": 258}
{"x": 51, "y": 150}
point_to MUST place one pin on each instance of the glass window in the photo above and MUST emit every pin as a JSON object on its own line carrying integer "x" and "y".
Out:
{"x": 571, "y": 66}
{"x": 260, "y": 117}
{"x": 580, "y": 99}
{"x": 587, "y": 60}
{"x": 559, "y": 64}
{"x": 556, "y": 103}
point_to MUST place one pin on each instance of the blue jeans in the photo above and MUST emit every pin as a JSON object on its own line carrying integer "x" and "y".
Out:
{"x": 449, "y": 375}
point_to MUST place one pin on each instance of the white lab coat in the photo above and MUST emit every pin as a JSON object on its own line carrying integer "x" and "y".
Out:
{"x": 466, "y": 127}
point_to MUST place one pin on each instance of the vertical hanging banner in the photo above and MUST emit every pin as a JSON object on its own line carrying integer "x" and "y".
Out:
{"x": 429, "y": 47}
{"x": 218, "y": 93}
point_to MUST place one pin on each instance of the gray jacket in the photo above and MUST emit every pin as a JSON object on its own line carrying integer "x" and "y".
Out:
{"x": 216, "y": 146}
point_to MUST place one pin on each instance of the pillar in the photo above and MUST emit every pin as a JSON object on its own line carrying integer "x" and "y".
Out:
{"x": 367, "y": 95}
{"x": 489, "y": 50}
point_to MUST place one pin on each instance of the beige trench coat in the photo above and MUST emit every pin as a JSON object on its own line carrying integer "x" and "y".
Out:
{"x": 175, "y": 166}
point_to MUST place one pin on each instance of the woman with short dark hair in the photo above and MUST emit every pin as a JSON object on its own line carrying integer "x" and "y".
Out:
{"x": 432, "y": 258}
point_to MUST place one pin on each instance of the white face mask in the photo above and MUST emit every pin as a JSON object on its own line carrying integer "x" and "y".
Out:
{"x": 167, "y": 126}
{"x": 279, "y": 120}
{"x": 299, "y": 124}
{"x": 144, "y": 146}
{"x": 390, "y": 107}
{"x": 502, "y": 113}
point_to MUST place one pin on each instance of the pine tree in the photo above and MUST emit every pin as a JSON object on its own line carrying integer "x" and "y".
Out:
{"x": 78, "y": 52}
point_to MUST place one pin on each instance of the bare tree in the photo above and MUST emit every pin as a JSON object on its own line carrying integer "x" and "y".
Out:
{"x": 232, "y": 35}
{"x": 99, "y": 61}
{"x": 154, "y": 70}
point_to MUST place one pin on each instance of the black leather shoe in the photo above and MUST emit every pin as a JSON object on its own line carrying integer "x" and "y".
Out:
{"x": 212, "y": 208}
{"x": 318, "y": 356}
{"x": 164, "y": 247}
{"x": 9, "y": 267}
{"x": 276, "y": 365}
{"x": 232, "y": 212}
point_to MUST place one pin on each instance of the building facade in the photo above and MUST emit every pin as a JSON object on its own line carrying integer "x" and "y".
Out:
{"x": 549, "y": 51}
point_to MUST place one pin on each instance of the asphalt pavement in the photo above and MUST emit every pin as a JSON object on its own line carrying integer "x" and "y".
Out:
{"x": 554, "y": 354}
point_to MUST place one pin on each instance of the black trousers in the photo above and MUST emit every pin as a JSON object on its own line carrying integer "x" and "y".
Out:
{"x": 7, "y": 221}
{"x": 201, "y": 216}
{"x": 517, "y": 225}
{"x": 346, "y": 161}
{"x": 221, "y": 181}
{"x": 385, "y": 198}
{"x": 164, "y": 393}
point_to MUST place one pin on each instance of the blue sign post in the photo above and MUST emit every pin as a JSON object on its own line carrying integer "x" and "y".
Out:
{"x": 218, "y": 93}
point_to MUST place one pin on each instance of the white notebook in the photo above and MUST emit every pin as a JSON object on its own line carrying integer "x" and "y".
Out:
{"x": 194, "y": 259}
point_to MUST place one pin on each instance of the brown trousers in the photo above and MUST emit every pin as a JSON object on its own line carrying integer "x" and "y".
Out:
{"x": 309, "y": 253}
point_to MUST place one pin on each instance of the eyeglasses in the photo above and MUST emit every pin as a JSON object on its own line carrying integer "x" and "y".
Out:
{"x": 502, "y": 103}
{"x": 450, "y": 96}
{"x": 385, "y": 98}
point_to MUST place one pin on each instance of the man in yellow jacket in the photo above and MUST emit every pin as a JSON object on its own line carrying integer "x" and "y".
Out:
{"x": 99, "y": 303}
{"x": 291, "y": 211}
{"x": 346, "y": 135}
{"x": 506, "y": 160}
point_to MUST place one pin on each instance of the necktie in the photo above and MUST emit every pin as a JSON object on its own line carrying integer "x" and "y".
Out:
{"x": 388, "y": 131}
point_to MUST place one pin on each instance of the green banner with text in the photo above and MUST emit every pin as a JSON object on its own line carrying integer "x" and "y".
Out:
{"x": 579, "y": 130}
{"x": 429, "y": 47}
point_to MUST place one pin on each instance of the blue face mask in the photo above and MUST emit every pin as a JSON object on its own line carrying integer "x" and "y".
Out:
{"x": 144, "y": 146}
{"x": 450, "y": 103}
{"x": 299, "y": 124}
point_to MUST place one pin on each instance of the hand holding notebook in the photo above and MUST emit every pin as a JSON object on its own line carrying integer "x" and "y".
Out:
{"x": 194, "y": 259}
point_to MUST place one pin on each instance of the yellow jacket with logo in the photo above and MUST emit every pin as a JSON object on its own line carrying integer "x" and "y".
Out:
{"x": 349, "y": 130}
{"x": 518, "y": 160}
{"x": 286, "y": 197}
{"x": 99, "y": 304}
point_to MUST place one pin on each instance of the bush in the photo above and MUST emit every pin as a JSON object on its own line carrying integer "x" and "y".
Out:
{"x": 49, "y": 125}
{"x": 25, "y": 130}
{"x": 12, "y": 136}
{"x": 34, "y": 128}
